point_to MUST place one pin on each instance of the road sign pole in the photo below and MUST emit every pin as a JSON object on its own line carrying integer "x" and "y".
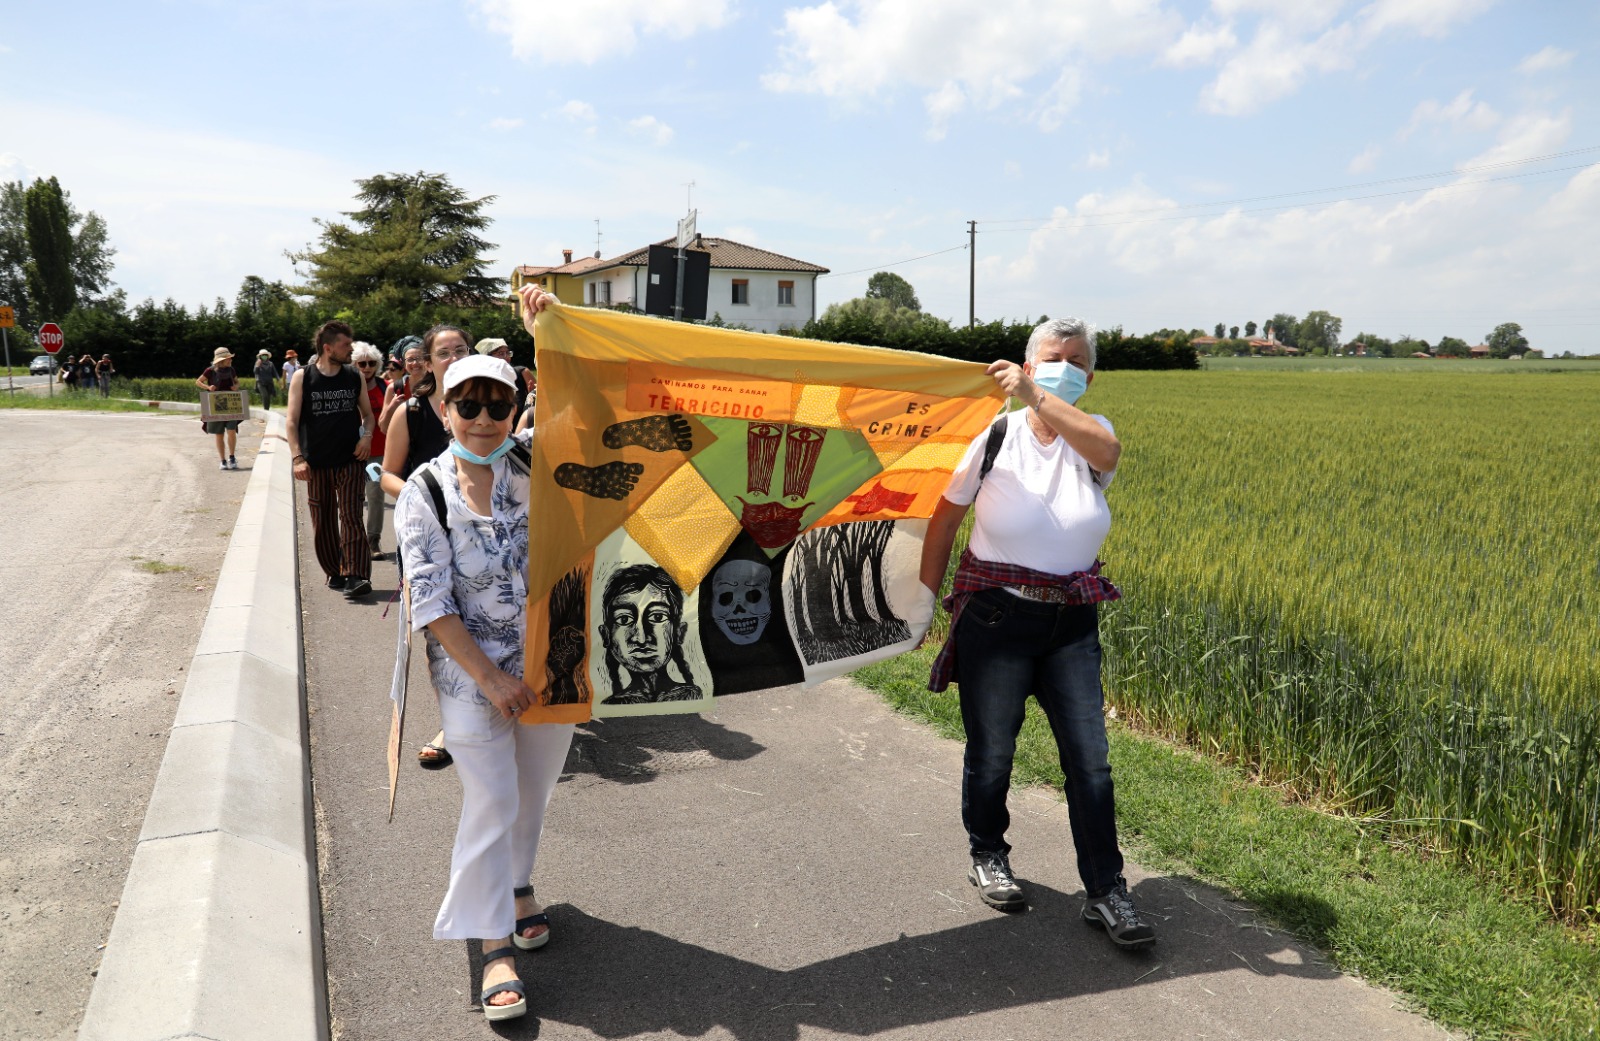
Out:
{"x": 8, "y": 317}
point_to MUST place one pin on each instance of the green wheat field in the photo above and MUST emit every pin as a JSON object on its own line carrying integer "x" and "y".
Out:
{"x": 1380, "y": 589}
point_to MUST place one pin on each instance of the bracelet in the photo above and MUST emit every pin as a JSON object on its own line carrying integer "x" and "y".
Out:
{"x": 298, "y": 459}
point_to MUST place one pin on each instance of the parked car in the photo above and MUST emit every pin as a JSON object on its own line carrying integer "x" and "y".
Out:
{"x": 40, "y": 366}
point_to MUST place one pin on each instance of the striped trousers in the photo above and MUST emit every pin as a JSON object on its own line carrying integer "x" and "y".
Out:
{"x": 334, "y": 497}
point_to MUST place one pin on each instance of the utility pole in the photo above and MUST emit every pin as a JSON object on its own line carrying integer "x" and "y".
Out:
{"x": 972, "y": 273}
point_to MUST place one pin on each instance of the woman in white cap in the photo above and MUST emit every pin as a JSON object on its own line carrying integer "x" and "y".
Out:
{"x": 462, "y": 525}
{"x": 266, "y": 378}
{"x": 220, "y": 375}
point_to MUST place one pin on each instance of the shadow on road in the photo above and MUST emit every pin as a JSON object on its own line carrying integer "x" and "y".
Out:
{"x": 633, "y": 750}
{"x": 620, "y": 982}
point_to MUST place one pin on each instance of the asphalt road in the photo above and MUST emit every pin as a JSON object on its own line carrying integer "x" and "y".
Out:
{"x": 93, "y": 650}
{"x": 790, "y": 866}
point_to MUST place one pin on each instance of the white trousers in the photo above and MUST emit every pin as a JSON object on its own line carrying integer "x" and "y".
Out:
{"x": 507, "y": 773}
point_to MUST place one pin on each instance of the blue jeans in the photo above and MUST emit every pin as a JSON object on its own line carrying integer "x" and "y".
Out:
{"x": 1008, "y": 648}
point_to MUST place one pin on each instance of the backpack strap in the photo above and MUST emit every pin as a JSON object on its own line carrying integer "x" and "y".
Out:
{"x": 521, "y": 459}
{"x": 991, "y": 448}
{"x": 426, "y": 475}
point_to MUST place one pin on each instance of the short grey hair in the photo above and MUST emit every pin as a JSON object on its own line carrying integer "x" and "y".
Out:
{"x": 1062, "y": 330}
{"x": 362, "y": 351}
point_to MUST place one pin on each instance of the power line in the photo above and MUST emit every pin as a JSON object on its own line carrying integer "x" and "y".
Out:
{"x": 1323, "y": 191}
{"x": 897, "y": 263}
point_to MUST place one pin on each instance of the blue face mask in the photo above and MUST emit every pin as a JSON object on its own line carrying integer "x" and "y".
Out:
{"x": 1063, "y": 379}
{"x": 460, "y": 451}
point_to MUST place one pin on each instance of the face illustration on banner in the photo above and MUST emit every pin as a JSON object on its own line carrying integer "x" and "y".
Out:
{"x": 642, "y": 629}
{"x": 741, "y": 600}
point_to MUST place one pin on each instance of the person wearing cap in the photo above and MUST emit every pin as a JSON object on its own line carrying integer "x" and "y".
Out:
{"x": 329, "y": 431}
{"x": 266, "y": 378}
{"x": 220, "y": 375}
{"x": 494, "y": 347}
{"x": 291, "y": 365}
{"x": 465, "y": 562}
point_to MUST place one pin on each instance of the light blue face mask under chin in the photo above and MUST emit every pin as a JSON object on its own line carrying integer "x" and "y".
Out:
{"x": 1063, "y": 379}
{"x": 460, "y": 451}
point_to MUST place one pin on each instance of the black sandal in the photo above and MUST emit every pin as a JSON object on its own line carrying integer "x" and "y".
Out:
{"x": 495, "y": 1013}
{"x": 437, "y": 761}
{"x": 529, "y": 922}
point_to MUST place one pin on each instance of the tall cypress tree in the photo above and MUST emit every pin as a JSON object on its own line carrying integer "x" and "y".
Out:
{"x": 48, "y": 271}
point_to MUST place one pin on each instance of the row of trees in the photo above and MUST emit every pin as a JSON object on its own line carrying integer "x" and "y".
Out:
{"x": 168, "y": 339}
{"x": 1318, "y": 333}
{"x": 889, "y": 315}
{"x": 409, "y": 256}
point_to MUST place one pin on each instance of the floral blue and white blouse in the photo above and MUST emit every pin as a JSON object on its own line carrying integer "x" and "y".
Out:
{"x": 476, "y": 567}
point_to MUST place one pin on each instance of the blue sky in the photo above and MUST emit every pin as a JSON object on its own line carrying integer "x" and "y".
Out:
{"x": 1112, "y": 135}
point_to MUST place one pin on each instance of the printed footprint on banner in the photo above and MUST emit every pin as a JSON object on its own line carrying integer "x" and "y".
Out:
{"x": 608, "y": 481}
{"x": 654, "y": 433}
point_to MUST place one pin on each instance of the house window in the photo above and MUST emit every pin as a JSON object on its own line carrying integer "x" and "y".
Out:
{"x": 741, "y": 290}
{"x": 785, "y": 294}
{"x": 594, "y": 293}
{"x": 605, "y": 293}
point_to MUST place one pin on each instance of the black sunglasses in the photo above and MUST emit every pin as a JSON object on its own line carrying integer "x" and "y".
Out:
{"x": 367, "y": 364}
{"x": 467, "y": 408}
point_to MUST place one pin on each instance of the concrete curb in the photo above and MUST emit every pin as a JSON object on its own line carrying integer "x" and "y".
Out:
{"x": 219, "y": 931}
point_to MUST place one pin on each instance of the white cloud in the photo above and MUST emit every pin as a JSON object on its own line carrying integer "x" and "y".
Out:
{"x": 1546, "y": 60}
{"x": 1453, "y": 260}
{"x": 1460, "y": 112}
{"x": 1524, "y": 135}
{"x": 502, "y": 123}
{"x": 1366, "y": 161}
{"x": 1059, "y": 100}
{"x": 185, "y": 209}
{"x": 1294, "y": 40}
{"x": 595, "y": 29}
{"x": 578, "y": 111}
{"x": 1200, "y": 45}
{"x": 13, "y": 168}
{"x": 1098, "y": 160}
{"x": 959, "y": 55}
{"x": 650, "y": 129}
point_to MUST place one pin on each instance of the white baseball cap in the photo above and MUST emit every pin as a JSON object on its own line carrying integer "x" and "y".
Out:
{"x": 478, "y": 366}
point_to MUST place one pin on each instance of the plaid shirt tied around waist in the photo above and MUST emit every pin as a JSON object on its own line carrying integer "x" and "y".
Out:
{"x": 974, "y": 575}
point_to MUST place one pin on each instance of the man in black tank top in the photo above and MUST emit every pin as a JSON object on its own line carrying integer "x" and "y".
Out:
{"x": 330, "y": 425}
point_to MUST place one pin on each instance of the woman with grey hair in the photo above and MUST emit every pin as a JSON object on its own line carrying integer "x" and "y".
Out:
{"x": 1024, "y": 616}
{"x": 367, "y": 359}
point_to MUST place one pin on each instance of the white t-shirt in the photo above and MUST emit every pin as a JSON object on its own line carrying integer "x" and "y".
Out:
{"x": 1040, "y": 507}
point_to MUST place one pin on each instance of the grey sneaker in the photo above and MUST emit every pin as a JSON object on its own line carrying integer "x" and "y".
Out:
{"x": 991, "y": 873}
{"x": 1114, "y": 912}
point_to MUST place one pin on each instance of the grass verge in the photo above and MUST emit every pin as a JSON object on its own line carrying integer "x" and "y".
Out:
{"x": 73, "y": 401}
{"x": 1468, "y": 955}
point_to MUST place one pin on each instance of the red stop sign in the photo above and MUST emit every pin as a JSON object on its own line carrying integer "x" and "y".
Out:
{"x": 50, "y": 337}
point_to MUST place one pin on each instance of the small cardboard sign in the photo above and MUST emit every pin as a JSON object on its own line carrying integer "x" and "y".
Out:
{"x": 223, "y": 406}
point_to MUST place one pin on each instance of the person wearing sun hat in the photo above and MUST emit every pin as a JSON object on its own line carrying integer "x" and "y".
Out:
{"x": 462, "y": 524}
{"x": 220, "y": 375}
{"x": 266, "y": 378}
{"x": 291, "y": 365}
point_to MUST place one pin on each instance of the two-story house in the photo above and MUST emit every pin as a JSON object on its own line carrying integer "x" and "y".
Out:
{"x": 753, "y": 287}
